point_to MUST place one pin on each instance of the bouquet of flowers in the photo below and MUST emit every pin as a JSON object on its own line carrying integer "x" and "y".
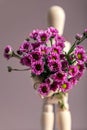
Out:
{"x": 43, "y": 54}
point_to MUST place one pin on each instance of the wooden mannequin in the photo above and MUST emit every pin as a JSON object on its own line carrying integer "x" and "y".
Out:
{"x": 56, "y": 18}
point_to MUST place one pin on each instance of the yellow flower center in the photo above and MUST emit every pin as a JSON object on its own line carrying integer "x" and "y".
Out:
{"x": 79, "y": 56}
{"x": 64, "y": 85}
{"x": 43, "y": 38}
{"x": 43, "y": 51}
{"x": 71, "y": 70}
{"x": 55, "y": 51}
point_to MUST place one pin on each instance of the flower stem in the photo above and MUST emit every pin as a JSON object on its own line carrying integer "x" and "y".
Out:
{"x": 82, "y": 39}
{"x": 77, "y": 42}
{"x": 11, "y": 69}
{"x": 16, "y": 56}
{"x": 20, "y": 69}
{"x": 72, "y": 48}
{"x": 51, "y": 41}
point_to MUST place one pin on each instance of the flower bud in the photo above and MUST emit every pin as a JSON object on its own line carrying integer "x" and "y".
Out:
{"x": 78, "y": 36}
{"x": 8, "y": 52}
{"x": 85, "y": 32}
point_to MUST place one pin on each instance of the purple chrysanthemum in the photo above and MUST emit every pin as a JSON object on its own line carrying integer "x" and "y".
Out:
{"x": 26, "y": 60}
{"x": 80, "y": 54}
{"x": 73, "y": 80}
{"x": 43, "y": 49}
{"x": 8, "y": 52}
{"x": 61, "y": 45}
{"x": 34, "y": 34}
{"x": 62, "y": 56}
{"x": 59, "y": 42}
{"x": 36, "y": 56}
{"x": 52, "y": 31}
{"x": 53, "y": 56}
{"x": 59, "y": 39}
{"x": 80, "y": 66}
{"x": 25, "y": 47}
{"x": 49, "y": 80}
{"x": 54, "y": 65}
{"x": 60, "y": 76}
{"x": 79, "y": 75}
{"x": 35, "y": 45}
{"x": 65, "y": 65}
{"x": 73, "y": 70}
{"x": 37, "y": 67}
{"x": 80, "y": 47}
{"x": 56, "y": 49}
{"x": 43, "y": 36}
{"x": 43, "y": 89}
{"x": 54, "y": 86}
{"x": 65, "y": 86}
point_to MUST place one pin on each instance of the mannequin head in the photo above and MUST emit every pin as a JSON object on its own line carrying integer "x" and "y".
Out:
{"x": 56, "y": 18}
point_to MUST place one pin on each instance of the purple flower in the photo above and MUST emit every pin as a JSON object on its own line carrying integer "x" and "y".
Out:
{"x": 65, "y": 86}
{"x": 53, "y": 56}
{"x": 80, "y": 66}
{"x": 78, "y": 36}
{"x": 73, "y": 80}
{"x": 56, "y": 49}
{"x": 44, "y": 50}
{"x": 65, "y": 65}
{"x": 35, "y": 45}
{"x": 54, "y": 86}
{"x": 8, "y": 52}
{"x": 52, "y": 31}
{"x": 62, "y": 56}
{"x": 59, "y": 39}
{"x": 34, "y": 34}
{"x": 73, "y": 70}
{"x": 25, "y": 46}
{"x": 43, "y": 89}
{"x": 54, "y": 65}
{"x": 26, "y": 60}
{"x": 79, "y": 75}
{"x": 43, "y": 36}
{"x": 81, "y": 69}
{"x": 85, "y": 32}
{"x": 36, "y": 56}
{"x": 80, "y": 54}
{"x": 80, "y": 47}
{"x": 37, "y": 67}
{"x": 60, "y": 76}
{"x": 49, "y": 80}
{"x": 61, "y": 45}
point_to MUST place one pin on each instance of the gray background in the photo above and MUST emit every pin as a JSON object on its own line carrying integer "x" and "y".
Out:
{"x": 20, "y": 106}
